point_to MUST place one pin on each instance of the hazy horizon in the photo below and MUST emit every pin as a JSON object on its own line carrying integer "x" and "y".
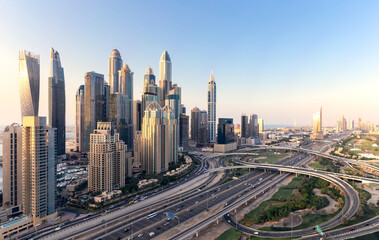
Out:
{"x": 280, "y": 60}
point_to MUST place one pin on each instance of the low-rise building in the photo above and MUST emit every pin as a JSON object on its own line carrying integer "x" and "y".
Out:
{"x": 105, "y": 196}
{"x": 146, "y": 182}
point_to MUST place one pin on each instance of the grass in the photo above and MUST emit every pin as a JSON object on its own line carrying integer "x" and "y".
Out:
{"x": 317, "y": 165}
{"x": 285, "y": 191}
{"x": 230, "y": 234}
{"x": 311, "y": 220}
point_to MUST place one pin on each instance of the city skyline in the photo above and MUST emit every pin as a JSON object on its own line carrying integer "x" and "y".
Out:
{"x": 325, "y": 79}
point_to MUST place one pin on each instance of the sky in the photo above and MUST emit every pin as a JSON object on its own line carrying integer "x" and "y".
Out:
{"x": 282, "y": 60}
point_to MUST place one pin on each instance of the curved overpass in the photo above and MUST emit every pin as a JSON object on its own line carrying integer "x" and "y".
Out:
{"x": 351, "y": 205}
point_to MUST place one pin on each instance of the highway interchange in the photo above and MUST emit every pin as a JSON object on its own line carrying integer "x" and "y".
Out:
{"x": 124, "y": 222}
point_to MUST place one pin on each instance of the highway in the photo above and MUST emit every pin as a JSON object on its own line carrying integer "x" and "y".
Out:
{"x": 194, "y": 205}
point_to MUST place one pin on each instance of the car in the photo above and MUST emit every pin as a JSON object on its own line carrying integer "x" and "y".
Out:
{"x": 367, "y": 224}
{"x": 178, "y": 209}
{"x": 189, "y": 210}
{"x": 158, "y": 228}
{"x": 140, "y": 235}
{"x": 339, "y": 217}
{"x": 151, "y": 234}
{"x": 256, "y": 233}
{"x": 166, "y": 223}
{"x": 127, "y": 229}
{"x": 130, "y": 238}
{"x": 196, "y": 202}
{"x": 352, "y": 229}
{"x": 57, "y": 229}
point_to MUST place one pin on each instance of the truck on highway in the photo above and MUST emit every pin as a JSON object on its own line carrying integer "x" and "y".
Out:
{"x": 256, "y": 233}
{"x": 151, "y": 215}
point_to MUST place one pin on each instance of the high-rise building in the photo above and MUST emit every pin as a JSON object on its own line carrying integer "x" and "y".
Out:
{"x": 79, "y": 119}
{"x": 359, "y": 127}
{"x": 126, "y": 88}
{"x": 225, "y": 131}
{"x": 151, "y": 92}
{"x": 173, "y": 99}
{"x": 29, "y": 77}
{"x": 261, "y": 125}
{"x": 107, "y": 168}
{"x": 12, "y": 165}
{"x": 317, "y": 125}
{"x": 212, "y": 109}
{"x": 351, "y": 124}
{"x": 57, "y": 100}
{"x": 115, "y": 65}
{"x": 244, "y": 126}
{"x": 96, "y": 104}
{"x": 253, "y": 126}
{"x": 137, "y": 115}
{"x": 199, "y": 133}
{"x": 342, "y": 124}
{"x": 183, "y": 132}
{"x": 165, "y": 75}
{"x": 159, "y": 140}
{"x": 195, "y": 124}
{"x": 39, "y": 169}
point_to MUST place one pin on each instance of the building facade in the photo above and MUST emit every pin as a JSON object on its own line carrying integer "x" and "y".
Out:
{"x": 114, "y": 66}
{"x": 12, "y": 166}
{"x": 57, "y": 100}
{"x": 244, "y": 126}
{"x": 39, "y": 169}
{"x": 79, "y": 119}
{"x": 165, "y": 75}
{"x": 29, "y": 81}
{"x": 317, "y": 126}
{"x": 107, "y": 167}
{"x": 96, "y": 104}
{"x": 212, "y": 109}
{"x": 225, "y": 131}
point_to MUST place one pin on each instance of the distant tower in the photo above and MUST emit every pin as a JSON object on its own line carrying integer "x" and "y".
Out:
{"x": 165, "y": 75}
{"x": 317, "y": 126}
{"x": 57, "y": 101}
{"x": 29, "y": 83}
{"x": 79, "y": 119}
{"x": 212, "y": 109}
{"x": 244, "y": 126}
{"x": 115, "y": 65}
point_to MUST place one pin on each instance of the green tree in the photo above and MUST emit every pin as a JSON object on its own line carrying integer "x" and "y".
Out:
{"x": 344, "y": 220}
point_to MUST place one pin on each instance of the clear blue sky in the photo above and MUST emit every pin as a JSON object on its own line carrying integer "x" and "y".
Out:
{"x": 279, "y": 59}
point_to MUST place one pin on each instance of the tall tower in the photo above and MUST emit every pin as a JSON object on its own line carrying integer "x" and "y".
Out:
{"x": 79, "y": 119}
{"x": 115, "y": 65}
{"x": 244, "y": 126}
{"x": 317, "y": 126}
{"x": 107, "y": 166}
{"x": 212, "y": 109}
{"x": 12, "y": 163}
{"x": 126, "y": 89}
{"x": 96, "y": 104}
{"x": 57, "y": 100}
{"x": 39, "y": 169}
{"x": 29, "y": 78}
{"x": 165, "y": 75}
{"x": 151, "y": 92}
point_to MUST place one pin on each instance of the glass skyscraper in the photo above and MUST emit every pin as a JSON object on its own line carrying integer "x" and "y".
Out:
{"x": 57, "y": 100}
{"x": 212, "y": 109}
{"x": 29, "y": 77}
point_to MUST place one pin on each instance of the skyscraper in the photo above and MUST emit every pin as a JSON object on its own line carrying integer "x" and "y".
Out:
{"x": 244, "y": 126}
{"x": 115, "y": 65}
{"x": 29, "y": 76}
{"x": 151, "y": 92}
{"x": 79, "y": 119}
{"x": 39, "y": 169}
{"x": 261, "y": 125}
{"x": 12, "y": 165}
{"x": 317, "y": 125}
{"x": 57, "y": 101}
{"x": 360, "y": 125}
{"x": 165, "y": 75}
{"x": 183, "y": 131}
{"x": 212, "y": 109}
{"x": 159, "y": 140}
{"x": 225, "y": 131}
{"x": 126, "y": 88}
{"x": 195, "y": 124}
{"x": 96, "y": 104}
{"x": 107, "y": 168}
{"x": 137, "y": 115}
